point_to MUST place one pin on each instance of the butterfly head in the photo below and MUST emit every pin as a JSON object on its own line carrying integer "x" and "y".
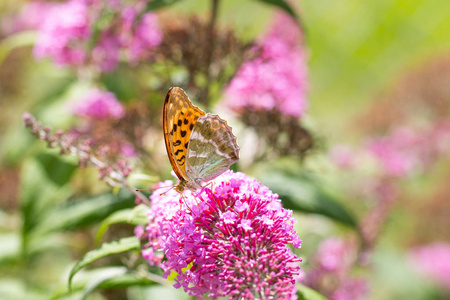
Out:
{"x": 191, "y": 185}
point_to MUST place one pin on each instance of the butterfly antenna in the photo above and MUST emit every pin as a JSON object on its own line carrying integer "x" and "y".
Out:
{"x": 171, "y": 187}
{"x": 156, "y": 188}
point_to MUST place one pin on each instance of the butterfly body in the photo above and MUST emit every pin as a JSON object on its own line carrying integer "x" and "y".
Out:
{"x": 200, "y": 146}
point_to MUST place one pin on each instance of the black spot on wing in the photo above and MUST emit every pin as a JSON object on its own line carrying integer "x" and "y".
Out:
{"x": 181, "y": 158}
{"x": 183, "y": 133}
{"x": 186, "y": 145}
{"x": 178, "y": 151}
{"x": 179, "y": 123}
{"x": 177, "y": 143}
{"x": 191, "y": 126}
{"x": 174, "y": 127}
{"x": 186, "y": 121}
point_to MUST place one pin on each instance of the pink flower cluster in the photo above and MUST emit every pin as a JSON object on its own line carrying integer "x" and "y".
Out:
{"x": 64, "y": 32}
{"x": 403, "y": 152}
{"x": 99, "y": 104}
{"x": 71, "y": 28}
{"x": 433, "y": 261}
{"x": 277, "y": 78}
{"x": 330, "y": 273}
{"x": 229, "y": 239}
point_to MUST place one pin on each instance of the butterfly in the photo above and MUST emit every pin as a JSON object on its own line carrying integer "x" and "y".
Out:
{"x": 200, "y": 146}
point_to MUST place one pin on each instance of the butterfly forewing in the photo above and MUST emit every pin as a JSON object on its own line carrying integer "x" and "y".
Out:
{"x": 212, "y": 148}
{"x": 179, "y": 119}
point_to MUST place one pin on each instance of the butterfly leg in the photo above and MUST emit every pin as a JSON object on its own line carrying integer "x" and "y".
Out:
{"x": 211, "y": 183}
{"x": 183, "y": 200}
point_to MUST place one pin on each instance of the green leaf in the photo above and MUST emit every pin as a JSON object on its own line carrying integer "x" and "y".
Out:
{"x": 135, "y": 216}
{"x": 123, "y": 82}
{"x": 306, "y": 293}
{"x": 117, "y": 281}
{"x": 38, "y": 195}
{"x": 99, "y": 280}
{"x": 301, "y": 191}
{"x": 46, "y": 243}
{"x": 284, "y": 5}
{"x": 157, "y": 4}
{"x": 86, "y": 212}
{"x": 104, "y": 278}
{"x": 115, "y": 247}
{"x": 57, "y": 169}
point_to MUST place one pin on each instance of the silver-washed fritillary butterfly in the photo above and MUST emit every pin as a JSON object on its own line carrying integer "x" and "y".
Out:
{"x": 200, "y": 146}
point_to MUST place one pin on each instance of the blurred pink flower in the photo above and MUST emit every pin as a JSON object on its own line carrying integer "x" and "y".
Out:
{"x": 333, "y": 255}
{"x": 330, "y": 271}
{"x": 229, "y": 240}
{"x": 343, "y": 156}
{"x": 433, "y": 261}
{"x": 277, "y": 79}
{"x": 351, "y": 289}
{"x": 127, "y": 150}
{"x": 399, "y": 152}
{"x": 66, "y": 34}
{"x": 99, "y": 104}
{"x": 105, "y": 54}
{"x": 145, "y": 37}
{"x": 63, "y": 31}
{"x": 29, "y": 18}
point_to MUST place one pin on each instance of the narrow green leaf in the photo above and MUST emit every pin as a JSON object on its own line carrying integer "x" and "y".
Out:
{"x": 57, "y": 169}
{"x": 301, "y": 191}
{"x": 115, "y": 247}
{"x": 38, "y": 195}
{"x": 98, "y": 280}
{"x": 284, "y": 5}
{"x": 84, "y": 279}
{"x": 102, "y": 278}
{"x": 45, "y": 243}
{"x": 306, "y": 293}
{"x": 157, "y": 4}
{"x": 135, "y": 216}
{"x": 118, "y": 281}
{"x": 85, "y": 212}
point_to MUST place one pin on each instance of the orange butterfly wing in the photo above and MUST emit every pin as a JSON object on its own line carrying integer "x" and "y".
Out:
{"x": 179, "y": 118}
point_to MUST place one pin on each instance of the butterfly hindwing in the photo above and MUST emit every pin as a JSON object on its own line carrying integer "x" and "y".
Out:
{"x": 212, "y": 148}
{"x": 179, "y": 119}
